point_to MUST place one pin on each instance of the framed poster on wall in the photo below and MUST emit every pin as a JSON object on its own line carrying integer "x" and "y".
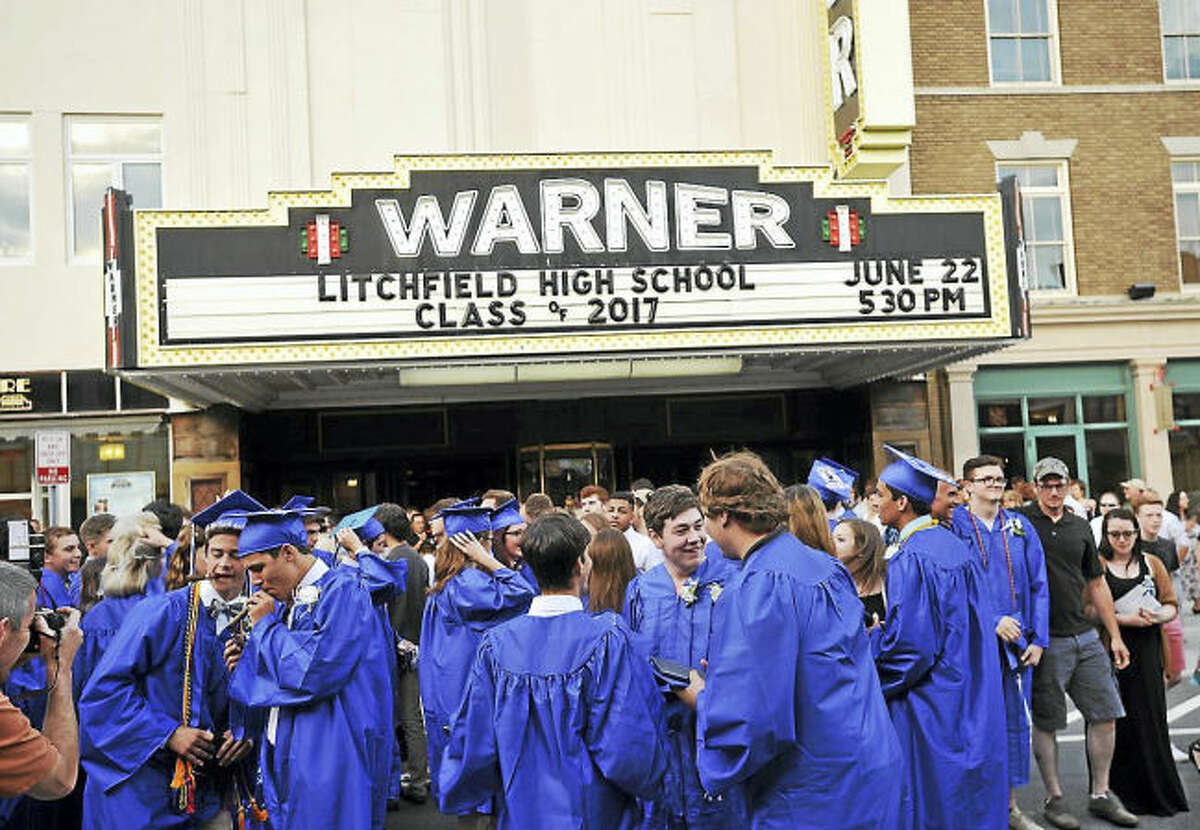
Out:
{"x": 119, "y": 493}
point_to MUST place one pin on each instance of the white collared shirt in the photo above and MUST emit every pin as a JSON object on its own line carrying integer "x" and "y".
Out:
{"x": 209, "y": 595}
{"x": 646, "y": 554}
{"x": 318, "y": 570}
{"x": 554, "y": 605}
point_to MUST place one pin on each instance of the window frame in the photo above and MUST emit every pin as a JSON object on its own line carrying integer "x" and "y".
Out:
{"x": 115, "y": 162}
{"x": 1189, "y": 188}
{"x": 27, "y": 160}
{"x": 1162, "y": 51}
{"x": 1055, "y": 51}
{"x": 1070, "y": 286}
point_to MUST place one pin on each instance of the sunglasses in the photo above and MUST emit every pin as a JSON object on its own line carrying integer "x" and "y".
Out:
{"x": 1121, "y": 534}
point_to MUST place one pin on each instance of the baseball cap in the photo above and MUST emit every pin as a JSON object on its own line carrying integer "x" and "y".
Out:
{"x": 1050, "y": 467}
{"x": 1135, "y": 483}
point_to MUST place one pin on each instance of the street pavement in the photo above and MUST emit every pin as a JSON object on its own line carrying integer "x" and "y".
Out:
{"x": 1183, "y": 717}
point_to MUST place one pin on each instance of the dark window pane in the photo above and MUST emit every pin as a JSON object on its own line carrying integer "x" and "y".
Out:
{"x": 1103, "y": 408}
{"x": 1051, "y": 411}
{"x": 135, "y": 397}
{"x": 1187, "y": 406}
{"x": 1010, "y": 448}
{"x": 393, "y": 428}
{"x": 90, "y": 392}
{"x": 1107, "y": 458}
{"x": 1062, "y": 447}
{"x": 1185, "y": 456}
{"x": 15, "y": 460}
{"x": 999, "y": 414}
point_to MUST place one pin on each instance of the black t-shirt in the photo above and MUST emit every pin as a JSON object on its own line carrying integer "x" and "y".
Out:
{"x": 405, "y": 610}
{"x": 1071, "y": 562}
{"x": 1164, "y": 549}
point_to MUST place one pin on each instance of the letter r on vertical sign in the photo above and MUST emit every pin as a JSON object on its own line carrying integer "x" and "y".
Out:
{"x": 841, "y": 75}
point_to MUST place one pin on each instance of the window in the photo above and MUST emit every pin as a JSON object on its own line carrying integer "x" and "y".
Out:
{"x": 1022, "y": 45}
{"x": 16, "y": 177}
{"x": 1046, "y": 209}
{"x": 1181, "y": 39}
{"x": 1185, "y": 182}
{"x": 121, "y": 152}
{"x": 1087, "y": 431}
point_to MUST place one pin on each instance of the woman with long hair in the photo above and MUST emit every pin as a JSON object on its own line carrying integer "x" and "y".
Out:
{"x": 1143, "y": 770}
{"x": 179, "y": 570}
{"x": 807, "y": 519}
{"x": 472, "y": 592}
{"x": 612, "y": 570}
{"x": 858, "y": 544}
{"x": 134, "y": 560}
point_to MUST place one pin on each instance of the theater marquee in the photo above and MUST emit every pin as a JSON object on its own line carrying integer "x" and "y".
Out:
{"x": 499, "y": 257}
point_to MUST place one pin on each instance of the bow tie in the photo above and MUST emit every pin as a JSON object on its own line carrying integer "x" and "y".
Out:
{"x": 230, "y": 609}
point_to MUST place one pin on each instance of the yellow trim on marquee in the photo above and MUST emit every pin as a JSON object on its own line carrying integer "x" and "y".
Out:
{"x": 153, "y": 355}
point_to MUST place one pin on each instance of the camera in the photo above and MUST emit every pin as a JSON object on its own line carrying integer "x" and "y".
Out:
{"x": 54, "y": 623}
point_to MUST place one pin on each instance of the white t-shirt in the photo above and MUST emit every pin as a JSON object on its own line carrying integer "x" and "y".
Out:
{"x": 645, "y": 553}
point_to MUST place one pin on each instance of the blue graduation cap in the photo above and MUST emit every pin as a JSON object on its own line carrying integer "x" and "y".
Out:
{"x": 304, "y": 505}
{"x": 362, "y": 523}
{"x": 912, "y": 476}
{"x": 832, "y": 481}
{"x": 507, "y": 515}
{"x": 268, "y": 529}
{"x": 462, "y": 517}
{"x": 225, "y": 512}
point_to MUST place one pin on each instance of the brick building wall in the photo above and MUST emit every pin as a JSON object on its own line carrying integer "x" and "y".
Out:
{"x": 1119, "y": 174}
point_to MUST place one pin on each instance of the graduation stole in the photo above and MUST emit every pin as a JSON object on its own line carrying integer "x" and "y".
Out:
{"x": 1012, "y": 585}
{"x": 183, "y": 783}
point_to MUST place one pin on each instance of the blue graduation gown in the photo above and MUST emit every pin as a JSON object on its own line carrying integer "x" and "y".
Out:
{"x": 131, "y": 705}
{"x": 53, "y": 591}
{"x": 328, "y": 674}
{"x": 936, "y": 654}
{"x": 677, "y": 631}
{"x": 792, "y": 706}
{"x": 99, "y": 626}
{"x": 455, "y": 620}
{"x": 1031, "y": 610}
{"x": 560, "y": 724}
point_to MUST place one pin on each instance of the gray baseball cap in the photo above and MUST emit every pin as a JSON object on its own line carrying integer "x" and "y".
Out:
{"x": 1049, "y": 467}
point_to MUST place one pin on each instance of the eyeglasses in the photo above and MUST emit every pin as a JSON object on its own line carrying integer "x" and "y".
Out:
{"x": 1121, "y": 534}
{"x": 1109, "y": 504}
{"x": 1062, "y": 485}
{"x": 988, "y": 480}
{"x": 514, "y": 533}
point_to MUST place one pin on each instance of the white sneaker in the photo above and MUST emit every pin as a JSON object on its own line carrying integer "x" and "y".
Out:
{"x": 1178, "y": 755}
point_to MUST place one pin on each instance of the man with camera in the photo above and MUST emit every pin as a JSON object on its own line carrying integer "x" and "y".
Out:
{"x": 41, "y": 764}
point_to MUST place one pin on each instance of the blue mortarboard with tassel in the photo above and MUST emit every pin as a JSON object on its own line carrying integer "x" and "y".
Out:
{"x": 833, "y": 481}
{"x": 465, "y": 516}
{"x": 507, "y": 515}
{"x": 269, "y": 529}
{"x": 226, "y": 512}
{"x": 913, "y": 476}
{"x": 363, "y": 523}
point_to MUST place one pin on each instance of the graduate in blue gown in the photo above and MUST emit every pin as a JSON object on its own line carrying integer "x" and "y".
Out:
{"x": 316, "y": 661}
{"x": 937, "y": 661}
{"x": 560, "y": 725}
{"x": 508, "y": 528}
{"x": 790, "y": 708}
{"x": 834, "y": 483}
{"x": 472, "y": 592}
{"x": 1008, "y": 549}
{"x": 670, "y": 606}
{"x": 133, "y": 735}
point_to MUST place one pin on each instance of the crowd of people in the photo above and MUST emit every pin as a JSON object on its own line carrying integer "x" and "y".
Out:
{"x": 726, "y": 654}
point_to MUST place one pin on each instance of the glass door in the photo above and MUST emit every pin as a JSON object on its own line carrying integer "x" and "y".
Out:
{"x": 1064, "y": 444}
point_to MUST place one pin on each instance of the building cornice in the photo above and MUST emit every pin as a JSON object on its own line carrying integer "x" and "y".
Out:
{"x": 1015, "y": 91}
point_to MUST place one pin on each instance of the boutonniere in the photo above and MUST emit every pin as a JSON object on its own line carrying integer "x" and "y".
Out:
{"x": 687, "y": 592}
{"x": 307, "y": 595}
{"x": 714, "y": 590}
{"x": 1014, "y": 527}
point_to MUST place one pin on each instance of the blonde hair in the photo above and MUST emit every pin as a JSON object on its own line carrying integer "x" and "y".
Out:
{"x": 132, "y": 562}
{"x": 807, "y": 519}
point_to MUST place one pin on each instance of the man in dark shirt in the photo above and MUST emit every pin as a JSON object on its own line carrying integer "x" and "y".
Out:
{"x": 405, "y": 613}
{"x": 1075, "y": 661}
